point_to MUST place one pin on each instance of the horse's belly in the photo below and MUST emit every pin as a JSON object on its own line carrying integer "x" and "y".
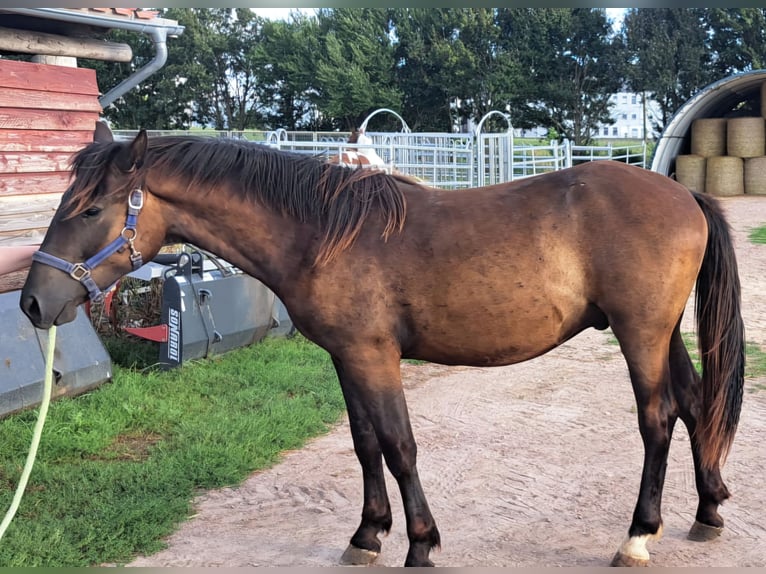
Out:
{"x": 493, "y": 338}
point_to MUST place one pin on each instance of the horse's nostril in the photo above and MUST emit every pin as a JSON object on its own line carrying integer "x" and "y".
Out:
{"x": 31, "y": 308}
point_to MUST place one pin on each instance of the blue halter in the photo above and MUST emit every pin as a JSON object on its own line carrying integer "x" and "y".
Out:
{"x": 82, "y": 271}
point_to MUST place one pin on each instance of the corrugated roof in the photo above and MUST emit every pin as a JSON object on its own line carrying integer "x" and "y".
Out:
{"x": 132, "y": 13}
{"x": 715, "y": 100}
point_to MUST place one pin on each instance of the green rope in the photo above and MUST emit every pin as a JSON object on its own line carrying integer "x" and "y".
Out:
{"x": 47, "y": 386}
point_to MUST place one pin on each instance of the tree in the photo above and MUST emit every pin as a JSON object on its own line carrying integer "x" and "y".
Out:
{"x": 231, "y": 97}
{"x": 737, "y": 39}
{"x": 286, "y": 58}
{"x": 668, "y": 54}
{"x": 354, "y": 71}
{"x": 161, "y": 101}
{"x": 426, "y": 100}
{"x": 573, "y": 64}
{"x": 209, "y": 77}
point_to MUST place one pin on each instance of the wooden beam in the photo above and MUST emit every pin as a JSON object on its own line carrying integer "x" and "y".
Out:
{"x": 28, "y": 42}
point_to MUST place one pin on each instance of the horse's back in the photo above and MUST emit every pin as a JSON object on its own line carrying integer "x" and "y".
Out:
{"x": 501, "y": 274}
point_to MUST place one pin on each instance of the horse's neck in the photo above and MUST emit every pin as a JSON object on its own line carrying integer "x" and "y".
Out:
{"x": 248, "y": 234}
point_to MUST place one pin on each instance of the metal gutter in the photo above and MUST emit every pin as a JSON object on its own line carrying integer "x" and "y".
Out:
{"x": 157, "y": 29}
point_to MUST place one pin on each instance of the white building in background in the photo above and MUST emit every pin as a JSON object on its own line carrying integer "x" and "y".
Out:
{"x": 628, "y": 115}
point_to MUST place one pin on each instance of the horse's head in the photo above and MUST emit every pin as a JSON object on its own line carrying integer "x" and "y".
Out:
{"x": 101, "y": 230}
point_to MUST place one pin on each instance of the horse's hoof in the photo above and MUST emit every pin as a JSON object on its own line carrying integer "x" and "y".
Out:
{"x": 621, "y": 559}
{"x": 355, "y": 556}
{"x": 700, "y": 532}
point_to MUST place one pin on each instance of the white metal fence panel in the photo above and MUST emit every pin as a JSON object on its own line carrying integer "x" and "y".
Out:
{"x": 438, "y": 159}
{"x": 495, "y": 154}
{"x": 452, "y": 161}
{"x": 530, "y": 160}
{"x": 631, "y": 154}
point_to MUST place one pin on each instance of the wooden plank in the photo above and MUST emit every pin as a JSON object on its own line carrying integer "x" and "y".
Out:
{"x": 34, "y": 162}
{"x": 24, "y": 221}
{"x": 21, "y": 119}
{"x": 23, "y": 204}
{"x": 26, "y": 237}
{"x": 31, "y": 76}
{"x": 41, "y": 140}
{"x": 38, "y": 99}
{"x": 13, "y": 281}
{"x": 29, "y": 42}
{"x": 33, "y": 183}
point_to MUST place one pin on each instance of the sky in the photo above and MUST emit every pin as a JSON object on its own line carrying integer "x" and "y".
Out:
{"x": 278, "y": 13}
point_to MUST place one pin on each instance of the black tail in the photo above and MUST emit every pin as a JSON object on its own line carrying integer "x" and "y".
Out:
{"x": 721, "y": 337}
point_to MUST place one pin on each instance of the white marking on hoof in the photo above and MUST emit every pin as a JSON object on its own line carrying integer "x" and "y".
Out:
{"x": 635, "y": 546}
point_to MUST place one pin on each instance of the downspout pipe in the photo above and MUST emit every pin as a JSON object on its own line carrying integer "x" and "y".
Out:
{"x": 155, "y": 30}
{"x": 158, "y": 36}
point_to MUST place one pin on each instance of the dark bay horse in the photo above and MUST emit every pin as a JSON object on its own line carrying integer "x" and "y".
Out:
{"x": 375, "y": 267}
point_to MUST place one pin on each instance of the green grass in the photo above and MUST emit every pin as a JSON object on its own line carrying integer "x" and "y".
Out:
{"x": 118, "y": 467}
{"x": 755, "y": 357}
{"x": 758, "y": 235}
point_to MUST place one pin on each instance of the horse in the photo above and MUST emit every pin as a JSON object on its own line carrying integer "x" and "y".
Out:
{"x": 354, "y": 157}
{"x": 376, "y": 267}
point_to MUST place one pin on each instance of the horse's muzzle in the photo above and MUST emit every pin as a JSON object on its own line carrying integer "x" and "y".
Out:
{"x": 42, "y": 315}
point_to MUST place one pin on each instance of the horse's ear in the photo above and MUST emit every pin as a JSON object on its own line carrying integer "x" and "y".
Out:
{"x": 132, "y": 156}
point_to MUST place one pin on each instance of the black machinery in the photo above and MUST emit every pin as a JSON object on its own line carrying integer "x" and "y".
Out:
{"x": 208, "y": 307}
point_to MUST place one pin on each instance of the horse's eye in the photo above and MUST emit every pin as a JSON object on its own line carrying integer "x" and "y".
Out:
{"x": 91, "y": 212}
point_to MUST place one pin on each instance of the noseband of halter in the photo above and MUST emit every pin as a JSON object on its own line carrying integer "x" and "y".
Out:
{"x": 82, "y": 271}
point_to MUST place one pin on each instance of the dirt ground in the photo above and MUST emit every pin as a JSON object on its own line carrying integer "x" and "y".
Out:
{"x": 535, "y": 464}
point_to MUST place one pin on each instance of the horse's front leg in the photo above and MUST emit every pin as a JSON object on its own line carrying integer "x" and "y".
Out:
{"x": 371, "y": 381}
{"x": 376, "y": 510}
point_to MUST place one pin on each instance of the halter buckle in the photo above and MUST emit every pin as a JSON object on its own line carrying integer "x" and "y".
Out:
{"x": 138, "y": 195}
{"x": 79, "y": 272}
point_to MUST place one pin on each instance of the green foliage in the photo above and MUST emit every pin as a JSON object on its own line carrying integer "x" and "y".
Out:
{"x": 758, "y": 235}
{"x": 354, "y": 65}
{"x": 669, "y": 54}
{"x": 739, "y": 41}
{"x": 756, "y": 362}
{"x": 755, "y": 356}
{"x": 118, "y": 467}
{"x": 437, "y": 67}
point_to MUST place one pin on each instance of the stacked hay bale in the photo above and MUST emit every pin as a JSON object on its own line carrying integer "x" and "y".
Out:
{"x": 728, "y": 155}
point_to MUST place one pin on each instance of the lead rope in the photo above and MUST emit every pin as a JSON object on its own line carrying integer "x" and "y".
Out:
{"x": 47, "y": 386}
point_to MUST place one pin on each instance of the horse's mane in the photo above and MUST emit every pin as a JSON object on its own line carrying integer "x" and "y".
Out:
{"x": 304, "y": 187}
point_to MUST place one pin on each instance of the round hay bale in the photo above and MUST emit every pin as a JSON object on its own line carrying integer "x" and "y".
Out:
{"x": 709, "y": 136}
{"x": 755, "y": 176}
{"x": 724, "y": 175}
{"x": 746, "y": 137}
{"x": 690, "y": 171}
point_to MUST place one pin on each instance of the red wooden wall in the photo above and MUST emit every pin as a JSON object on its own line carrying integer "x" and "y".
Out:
{"x": 46, "y": 113}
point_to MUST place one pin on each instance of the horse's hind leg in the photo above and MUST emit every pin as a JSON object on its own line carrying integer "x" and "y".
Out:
{"x": 647, "y": 358}
{"x": 372, "y": 387}
{"x": 376, "y": 510}
{"x": 710, "y": 486}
